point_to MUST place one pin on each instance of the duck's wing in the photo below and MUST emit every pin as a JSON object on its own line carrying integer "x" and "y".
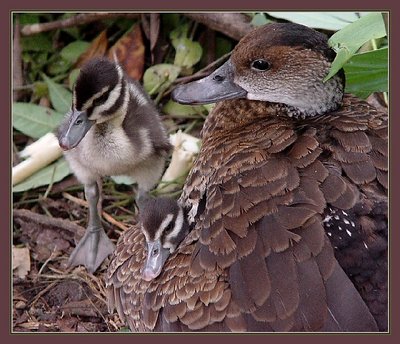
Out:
{"x": 259, "y": 258}
{"x": 124, "y": 277}
{"x": 358, "y": 166}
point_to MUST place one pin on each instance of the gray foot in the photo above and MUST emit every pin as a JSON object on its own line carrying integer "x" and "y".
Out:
{"x": 92, "y": 249}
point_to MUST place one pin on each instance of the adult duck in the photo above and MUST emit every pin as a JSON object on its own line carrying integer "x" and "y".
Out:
{"x": 291, "y": 171}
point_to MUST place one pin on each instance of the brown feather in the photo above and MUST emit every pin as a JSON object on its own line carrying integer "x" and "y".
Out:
{"x": 353, "y": 142}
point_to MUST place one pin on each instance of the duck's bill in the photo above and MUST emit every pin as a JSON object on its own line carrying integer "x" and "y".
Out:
{"x": 217, "y": 86}
{"x": 74, "y": 129}
{"x": 156, "y": 257}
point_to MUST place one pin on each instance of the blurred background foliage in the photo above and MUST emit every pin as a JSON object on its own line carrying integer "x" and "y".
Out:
{"x": 161, "y": 51}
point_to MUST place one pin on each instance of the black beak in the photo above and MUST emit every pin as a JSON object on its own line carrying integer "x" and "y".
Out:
{"x": 217, "y": 86}
{"x": 74, "y": 129}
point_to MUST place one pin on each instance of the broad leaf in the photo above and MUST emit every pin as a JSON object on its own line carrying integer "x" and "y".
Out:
{"x": 347, "y": 41}
{"x": 321, "y": 20}
{"x": 188, "y": 53}
{"x": 34, "y": 120}
{"x": 129, "y": 51}
{"x": 259, "y": 19}
{"x": 97, "y": 48}
{"x": 60, "y": 97}
{"x": 183, "y": 111}
{"x": 57, "y": 67}
{"x": 50, "y": 174}
{"x": 126, "y": 180}
{"x": 367, "y": 73}
{"x": 72, "y": 78}
{"x": 159, "y": 76}
{"x": 40, "y": 42}
{"x": 74, "y": 50}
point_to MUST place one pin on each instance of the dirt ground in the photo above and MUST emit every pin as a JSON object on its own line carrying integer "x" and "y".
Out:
{"x": 47, "y": 295}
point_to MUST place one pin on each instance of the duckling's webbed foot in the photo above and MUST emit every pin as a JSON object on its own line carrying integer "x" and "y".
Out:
{"x": 95, "y": 245}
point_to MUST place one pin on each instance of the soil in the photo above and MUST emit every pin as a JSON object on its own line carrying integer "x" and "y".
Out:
{"x": 52, "y": 297}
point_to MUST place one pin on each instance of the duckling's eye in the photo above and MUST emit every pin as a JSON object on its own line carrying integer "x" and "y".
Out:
{"x": 260, "y": 65}
{"x": 100, "y": 100}
{"x": 168, "y": 228}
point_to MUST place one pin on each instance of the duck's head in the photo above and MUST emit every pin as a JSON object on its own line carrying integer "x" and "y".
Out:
{"x": 164, "y": 225}
{"x": 99, "y": 94}
{"x": 280, "y": 63}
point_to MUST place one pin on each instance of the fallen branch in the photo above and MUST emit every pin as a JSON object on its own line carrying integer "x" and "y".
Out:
{"x": 234, "y": 25}
{"x": 79, "y": 19}
{"x": 44, "y": 220}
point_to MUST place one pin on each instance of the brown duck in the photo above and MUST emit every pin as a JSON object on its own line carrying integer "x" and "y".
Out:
{"x": 292, "y": 173}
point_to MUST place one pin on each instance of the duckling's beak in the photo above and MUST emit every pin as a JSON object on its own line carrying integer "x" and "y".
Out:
{"x": 217, "y": 86}
{"x": 156, "y": 257}
{"x": 74, "y": 129}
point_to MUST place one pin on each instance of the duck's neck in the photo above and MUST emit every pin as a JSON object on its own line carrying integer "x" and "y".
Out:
{"x": 238, "y": 113}
{"x": 322, "y": 98}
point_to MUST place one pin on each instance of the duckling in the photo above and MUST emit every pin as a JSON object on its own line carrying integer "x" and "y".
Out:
{"x": 162, "y": 225}
{"x": 285, "y": 160}
{"x": 113, "y": 128}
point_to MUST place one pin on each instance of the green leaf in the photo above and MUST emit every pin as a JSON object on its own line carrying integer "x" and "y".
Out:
{"x": 188, "y": 53}
{"x": 259, "y": 19}
{"x": 222, "y": 46}
{"x": 183, "y": 111}
{"x": 60, "y": 97}
{"x": 347, "y": 41}
{"x": 40, "y": 89}
{"x": 123, "y": 180}
{"x": 58, "y": 66}
{"x": 39, "y": 42}
{"x": 367, "y": 73}
{"x": 321, "y": 20}
{"x": 50, "y": 174}
{"x": 159, "y": 76}
{"x": 72, "y": 51}
{"x": 28, "y": 18}
{"x": 72, "y": 78}
{"x": 181, "y": 31}
{"x": 34, "y": 120}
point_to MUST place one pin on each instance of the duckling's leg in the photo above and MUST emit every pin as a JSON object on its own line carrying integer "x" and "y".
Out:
{"x": 141, "y": 196}
{"x": 95, "y": 245}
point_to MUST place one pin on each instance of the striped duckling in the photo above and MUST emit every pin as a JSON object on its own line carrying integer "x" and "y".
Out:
{"x": 113, "y": 128}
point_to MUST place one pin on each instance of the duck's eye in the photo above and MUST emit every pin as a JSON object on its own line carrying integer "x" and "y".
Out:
{"x": 260, "y": 65}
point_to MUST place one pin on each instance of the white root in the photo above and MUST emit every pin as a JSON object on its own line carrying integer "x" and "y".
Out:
{"x": 186, "y": 147}
{"x": 39, "y": 154}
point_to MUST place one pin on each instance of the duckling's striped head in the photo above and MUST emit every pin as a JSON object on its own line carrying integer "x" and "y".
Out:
{"x": 100, "y": 90}
{"x": 164, "y": 225}
{"x": 101, "y": 93}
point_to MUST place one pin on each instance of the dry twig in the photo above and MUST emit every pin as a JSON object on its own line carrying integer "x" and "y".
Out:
{"x": 79, "y": 19}
{"x": 234, "y": 25}
{"x": 108, "y": 217}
